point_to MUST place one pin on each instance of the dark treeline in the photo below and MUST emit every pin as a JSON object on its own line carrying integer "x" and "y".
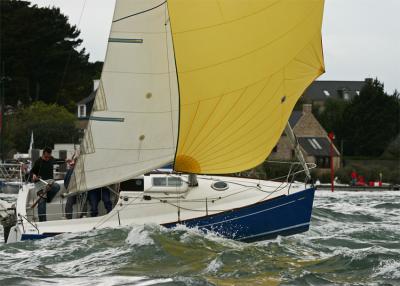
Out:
{"x": 368, "y": 125}
{"x": 40, "y": 56}
{"x": 44, "y": 72}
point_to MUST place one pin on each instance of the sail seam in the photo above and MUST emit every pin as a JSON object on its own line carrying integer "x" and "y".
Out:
{"x": 139, "y": 13}
{"x": 179, "y": 89}
{"x": 204, "y": 125}
{"x": 169, "y": 74}
{"x": 191, "y": 129}
{"x": 231, "y": 21}
{"x": 219, "y": 122}
{"x": 239, "y": 116}
{"x": 304, "y": 20}
{"x": 243, "y": 146}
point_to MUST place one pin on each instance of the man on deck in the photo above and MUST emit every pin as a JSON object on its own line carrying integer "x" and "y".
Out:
{"x": 44, "y": 169}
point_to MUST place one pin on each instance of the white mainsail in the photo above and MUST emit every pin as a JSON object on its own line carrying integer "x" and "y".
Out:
{"x": 134, "y": 123}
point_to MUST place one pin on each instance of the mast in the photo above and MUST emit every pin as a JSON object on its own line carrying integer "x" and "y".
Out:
{"x": 296, "y": 146}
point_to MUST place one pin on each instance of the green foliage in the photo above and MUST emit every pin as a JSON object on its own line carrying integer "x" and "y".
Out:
{"x": 367, "y": 124}
{"x": 40, "y": 55}
{"x": 49, "y": 123}
{"x": 331, "y": 118}
{"x": 370, "y": 170}
{"x": 371, "y": 121}
{"x": 393, "y": 150}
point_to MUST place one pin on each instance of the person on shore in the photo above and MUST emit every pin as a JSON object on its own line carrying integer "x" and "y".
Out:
{"x": 44, "y": 169}
{"x": 353, "y": 178}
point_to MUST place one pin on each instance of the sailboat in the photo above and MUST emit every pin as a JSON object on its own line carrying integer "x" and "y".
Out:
{"x": 206, "y": 85}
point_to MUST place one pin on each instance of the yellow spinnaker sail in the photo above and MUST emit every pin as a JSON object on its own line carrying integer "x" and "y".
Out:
{"x": 242, "y": 65}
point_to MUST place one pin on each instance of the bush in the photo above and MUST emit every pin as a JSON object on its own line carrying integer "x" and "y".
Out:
{"x": 50, "y": 123}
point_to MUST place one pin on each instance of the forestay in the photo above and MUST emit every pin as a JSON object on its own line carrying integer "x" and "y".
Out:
{"x": 242, "y": 65}
{"x": 133, "y": 125}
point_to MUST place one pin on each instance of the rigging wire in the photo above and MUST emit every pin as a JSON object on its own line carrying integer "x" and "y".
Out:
{"x": 70, "y": 54}
{"x": 141, "y": 12}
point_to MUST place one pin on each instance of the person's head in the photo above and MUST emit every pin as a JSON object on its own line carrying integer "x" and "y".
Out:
{"x": 46, "y": 154}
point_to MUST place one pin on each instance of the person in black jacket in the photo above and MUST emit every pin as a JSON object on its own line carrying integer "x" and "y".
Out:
{"x": 44, "y": 169}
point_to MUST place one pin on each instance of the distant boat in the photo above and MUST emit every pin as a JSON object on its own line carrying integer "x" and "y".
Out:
{"x": 208, "y": 86}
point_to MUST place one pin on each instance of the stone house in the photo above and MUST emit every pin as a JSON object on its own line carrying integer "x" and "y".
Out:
{"x": 313, "y": 140}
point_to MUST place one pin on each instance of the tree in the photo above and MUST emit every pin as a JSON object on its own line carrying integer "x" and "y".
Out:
{"x": 50, "y": 123}
{"x": 331, "y": 118}
{"x": 40, "y": 54}
{"x": 371, "y": 121}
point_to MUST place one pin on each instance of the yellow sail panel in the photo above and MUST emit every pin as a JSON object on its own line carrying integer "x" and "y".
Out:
{"x": 242, "y": 65}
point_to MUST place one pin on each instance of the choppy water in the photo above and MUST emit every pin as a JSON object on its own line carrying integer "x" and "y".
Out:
{"x": 354, "y": 240}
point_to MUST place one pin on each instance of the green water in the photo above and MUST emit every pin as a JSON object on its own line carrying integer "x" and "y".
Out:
{"x": 354, "y": 240}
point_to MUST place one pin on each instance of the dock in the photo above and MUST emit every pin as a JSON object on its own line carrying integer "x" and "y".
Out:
{"x": 326, "y": 187}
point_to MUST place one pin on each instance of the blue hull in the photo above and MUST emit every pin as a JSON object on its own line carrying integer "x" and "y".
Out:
{"x": 284, "y": 215}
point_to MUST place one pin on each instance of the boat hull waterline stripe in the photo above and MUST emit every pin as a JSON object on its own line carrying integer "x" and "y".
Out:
{"x": 307, "y": 224}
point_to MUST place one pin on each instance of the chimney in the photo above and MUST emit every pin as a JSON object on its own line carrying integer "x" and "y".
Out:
{"x": 307, "y": 108}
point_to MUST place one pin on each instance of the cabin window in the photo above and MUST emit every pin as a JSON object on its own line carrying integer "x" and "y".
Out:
{"x": 220, "y": 186}
{"x": 132, "y": 185}
{"x": 174, "y": 182}
{"x": 164, "y": 182}
{"x": 160, "y": 181}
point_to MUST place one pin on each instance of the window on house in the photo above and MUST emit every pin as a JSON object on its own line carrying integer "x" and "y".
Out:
{"x": 323, "y": 162}
{"x": 81, "y": 111}
{"x": 357, "y": 92}
{"x": 327, "y": 93}
{"x": 314, "y": 143}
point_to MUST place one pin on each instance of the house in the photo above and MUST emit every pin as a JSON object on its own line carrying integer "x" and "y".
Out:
{"x": 84, "y": 107}
{"x": 320, "y": 91}
{"x": 313, "y": 140}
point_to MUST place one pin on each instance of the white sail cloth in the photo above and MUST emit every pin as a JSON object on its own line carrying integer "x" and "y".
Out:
{"x": 134, "y": 123}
